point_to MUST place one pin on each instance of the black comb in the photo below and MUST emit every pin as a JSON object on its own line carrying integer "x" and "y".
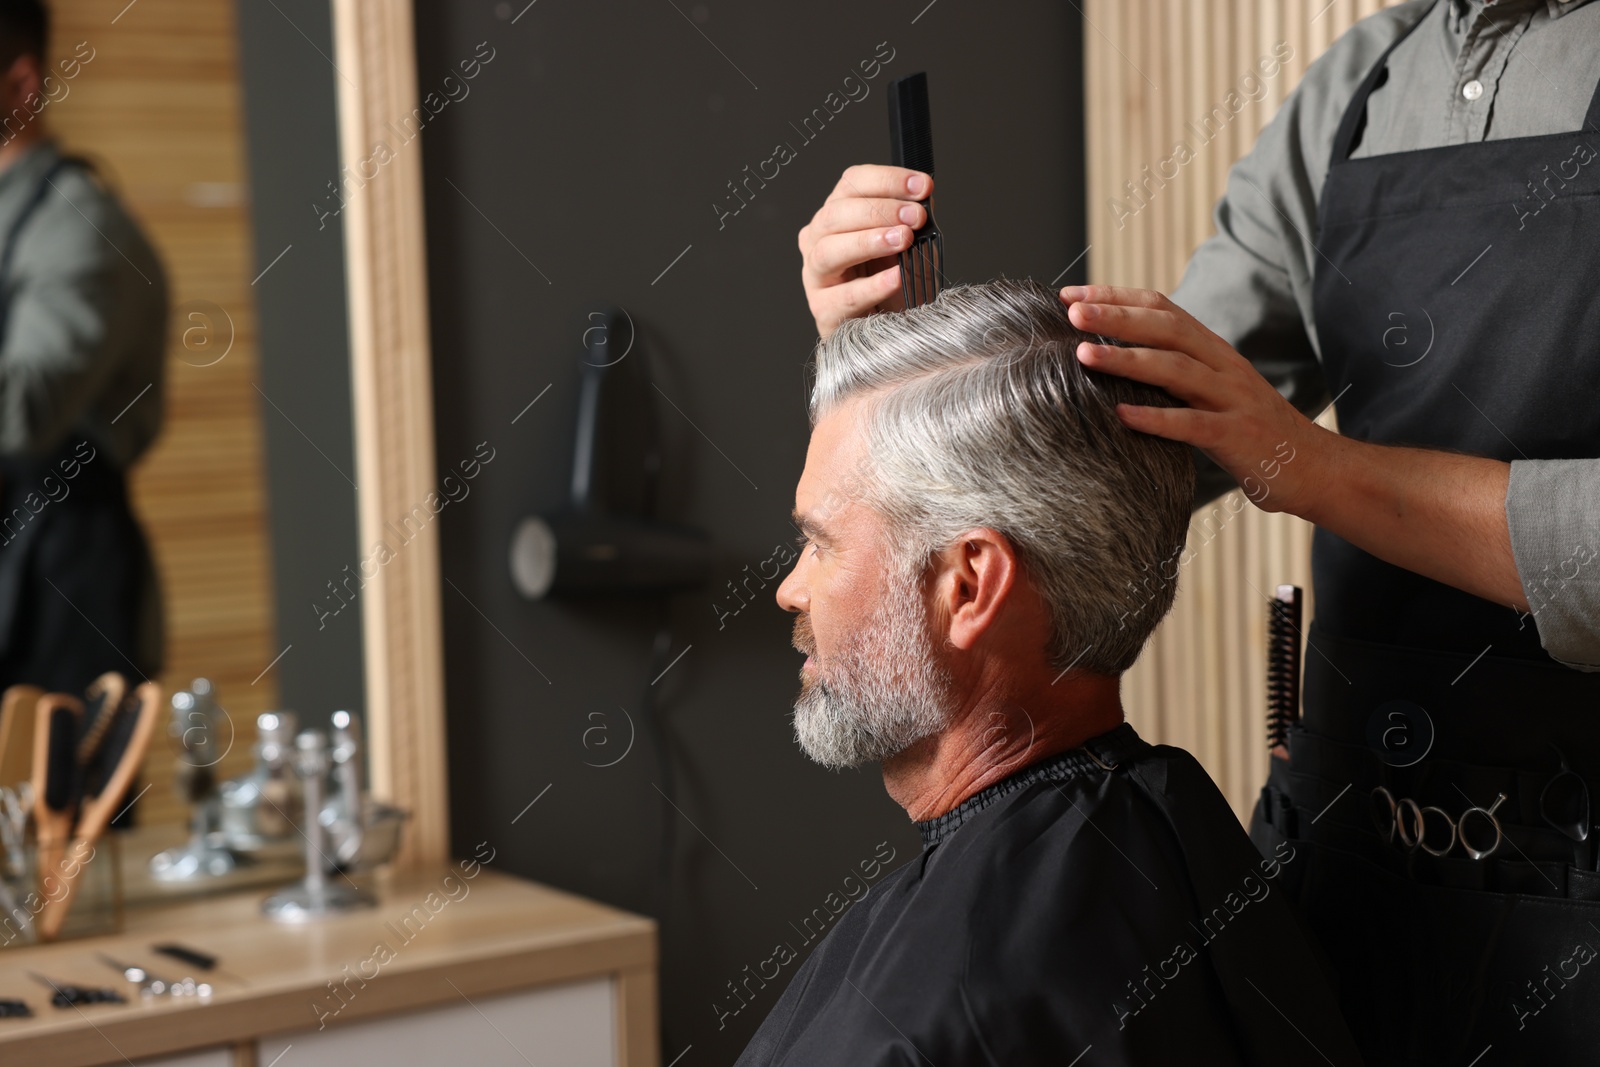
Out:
{"x": 192, "y": 956}
{"x": 911, "y": 146}
{"x": 1283, "y": 664}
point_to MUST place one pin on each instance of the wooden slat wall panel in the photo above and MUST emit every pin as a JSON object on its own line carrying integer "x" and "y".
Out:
{"x": 1149, "y": 67}
{"x": 158, "y": 108}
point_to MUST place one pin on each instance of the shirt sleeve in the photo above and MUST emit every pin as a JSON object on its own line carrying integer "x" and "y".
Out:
{"x": 1241, "y": 282}
{"x": 69, "y": 293}
{"x": 1250, "y": 282}
{"x": 1553, "y": 509}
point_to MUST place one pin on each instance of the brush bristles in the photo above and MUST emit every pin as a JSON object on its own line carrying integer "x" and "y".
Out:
{"x": 63, "y": 759}
{"x": 1283, "y": 666}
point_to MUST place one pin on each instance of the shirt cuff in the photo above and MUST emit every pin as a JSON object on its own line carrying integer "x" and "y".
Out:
{"x": 1553, "y": 511}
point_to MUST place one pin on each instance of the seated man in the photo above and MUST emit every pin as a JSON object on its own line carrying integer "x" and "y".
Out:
{"x": 988, "y": 549}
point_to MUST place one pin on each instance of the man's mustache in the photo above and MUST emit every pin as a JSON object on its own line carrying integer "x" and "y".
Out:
{"x": 804, "y": 640}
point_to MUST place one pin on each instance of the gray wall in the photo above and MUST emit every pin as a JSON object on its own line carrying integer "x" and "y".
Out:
{"x": 292, "y": 142}
{"x": 581, "y": 161}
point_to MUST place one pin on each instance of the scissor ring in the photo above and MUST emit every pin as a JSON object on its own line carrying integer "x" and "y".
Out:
{"x": 1410, "y": 840}
{"x": 1385, "y": 829}
{"x": 1487, "y": 813}
{"x": 1422, "y": 837}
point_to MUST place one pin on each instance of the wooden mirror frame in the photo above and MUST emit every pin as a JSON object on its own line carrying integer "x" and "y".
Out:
{"x": 391, "y": 375}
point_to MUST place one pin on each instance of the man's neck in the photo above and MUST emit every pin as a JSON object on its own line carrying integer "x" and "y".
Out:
{"x": 997, "y": 735}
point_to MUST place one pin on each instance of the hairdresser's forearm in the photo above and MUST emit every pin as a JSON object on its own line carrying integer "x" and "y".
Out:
{"x": 1439, "y": 514}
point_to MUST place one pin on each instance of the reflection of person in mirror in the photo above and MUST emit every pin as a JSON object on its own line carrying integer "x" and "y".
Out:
{"x": 83, "y": 308}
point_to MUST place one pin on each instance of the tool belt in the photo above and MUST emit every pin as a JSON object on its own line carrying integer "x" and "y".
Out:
{"x": 1444, "y": 942}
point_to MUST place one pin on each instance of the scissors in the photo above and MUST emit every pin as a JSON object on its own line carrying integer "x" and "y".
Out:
{"x": 1408, "y": 821}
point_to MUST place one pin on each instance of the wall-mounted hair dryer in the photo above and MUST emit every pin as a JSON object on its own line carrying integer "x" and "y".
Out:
{"x": 607, "y": 540}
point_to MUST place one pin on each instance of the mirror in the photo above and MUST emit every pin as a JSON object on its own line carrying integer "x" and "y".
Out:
{"x": 216, "y": 128}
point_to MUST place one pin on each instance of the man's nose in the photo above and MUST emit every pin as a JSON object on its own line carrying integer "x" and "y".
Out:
{"x": 791, "y": 595}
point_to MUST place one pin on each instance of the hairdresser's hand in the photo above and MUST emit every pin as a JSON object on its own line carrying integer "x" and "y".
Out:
{"x": 1235, "y": 416}
{"x": 849, "y": 251}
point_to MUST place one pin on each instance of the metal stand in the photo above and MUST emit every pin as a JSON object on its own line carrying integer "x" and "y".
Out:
{"x": 314, "y": 896}
{"x": 193, "y": 861}
{"x": 194, "y": 726}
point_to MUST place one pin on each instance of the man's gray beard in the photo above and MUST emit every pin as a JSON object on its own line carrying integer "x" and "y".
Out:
{"x": 884, "y": 691}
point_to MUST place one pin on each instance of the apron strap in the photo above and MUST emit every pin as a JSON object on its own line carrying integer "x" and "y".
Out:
{"x": 1355, "y": 116}
{"x": 1591, "y": 121}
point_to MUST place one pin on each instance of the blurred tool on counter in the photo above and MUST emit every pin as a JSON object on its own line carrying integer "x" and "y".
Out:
{"x": 196, "y": 725}
{"x": 68, "y": 995}
{"x": 263, "y": 807}
{"x": 203, "y": 961}
{"x": 363, "y": 833}
{"x": 14, "y": 1009}
{"x": 315, "y": 895}
{"x": 104, "y": 772}
{"x": 152, "y": 986}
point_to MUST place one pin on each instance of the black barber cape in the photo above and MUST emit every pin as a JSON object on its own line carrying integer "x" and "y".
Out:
{"x": 1121, "y": 916}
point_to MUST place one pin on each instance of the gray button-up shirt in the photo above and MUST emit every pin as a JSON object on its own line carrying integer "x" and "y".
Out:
{"x": 84, "y": 348}
{"x": 1480, "y": 71}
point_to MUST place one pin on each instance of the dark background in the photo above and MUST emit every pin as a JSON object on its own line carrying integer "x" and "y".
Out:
{"x": 583, "y": 159}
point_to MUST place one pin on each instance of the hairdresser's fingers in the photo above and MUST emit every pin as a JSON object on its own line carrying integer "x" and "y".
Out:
{"x": 1185, "y": 378}
{"x": 1156, "y": 328}
{"x": 880, "y": 180}
{"x": 833, "y": 258}
{"x": 1114, "y": 294}
{"x": 849, "y": 214}
{"x": 1203, "y": 429}
{"x": 1146, "y": 317}
{"x": 852, "y": 299}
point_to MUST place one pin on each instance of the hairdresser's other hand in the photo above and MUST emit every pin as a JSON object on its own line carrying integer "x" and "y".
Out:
{"x": 850, "y": 249}
{"x": 1235, "y": 416}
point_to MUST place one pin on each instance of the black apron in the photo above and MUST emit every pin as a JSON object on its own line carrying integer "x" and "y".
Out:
{"x": 1455, "y": 302}
{"x": 78, "y": 589}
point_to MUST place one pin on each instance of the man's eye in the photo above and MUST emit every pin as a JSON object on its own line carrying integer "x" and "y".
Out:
{"x": 805, "y": 542}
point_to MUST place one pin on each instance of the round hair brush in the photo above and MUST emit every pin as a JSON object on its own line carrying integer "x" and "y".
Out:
{"x": 1283, "y": 667}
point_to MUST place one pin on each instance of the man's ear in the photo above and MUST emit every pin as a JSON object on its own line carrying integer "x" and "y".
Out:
{"x": 974, "y": 581}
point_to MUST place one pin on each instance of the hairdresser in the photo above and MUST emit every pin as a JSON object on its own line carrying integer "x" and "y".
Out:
{"x": 83, "y": 310}
{"x": 1412, "y": 238}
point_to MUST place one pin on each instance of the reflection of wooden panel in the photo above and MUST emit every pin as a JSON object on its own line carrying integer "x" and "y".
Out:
{"x": 1149, "y": 67}
{"x": 158, "y": 107}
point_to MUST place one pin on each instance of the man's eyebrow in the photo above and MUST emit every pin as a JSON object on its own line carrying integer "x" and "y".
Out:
{"x": 806, "y": 524}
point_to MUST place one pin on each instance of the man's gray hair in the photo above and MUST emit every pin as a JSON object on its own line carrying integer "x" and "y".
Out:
{"x": 983, "y": 416}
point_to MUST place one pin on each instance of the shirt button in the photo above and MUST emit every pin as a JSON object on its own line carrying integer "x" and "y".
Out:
{"x": 1472, "y": 90}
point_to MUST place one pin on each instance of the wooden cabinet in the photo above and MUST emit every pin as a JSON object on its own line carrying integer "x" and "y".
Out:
{"x": 218, "y": 1057}
{"x": 569, "y": 1025}
{"x": 488, "y": 970}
